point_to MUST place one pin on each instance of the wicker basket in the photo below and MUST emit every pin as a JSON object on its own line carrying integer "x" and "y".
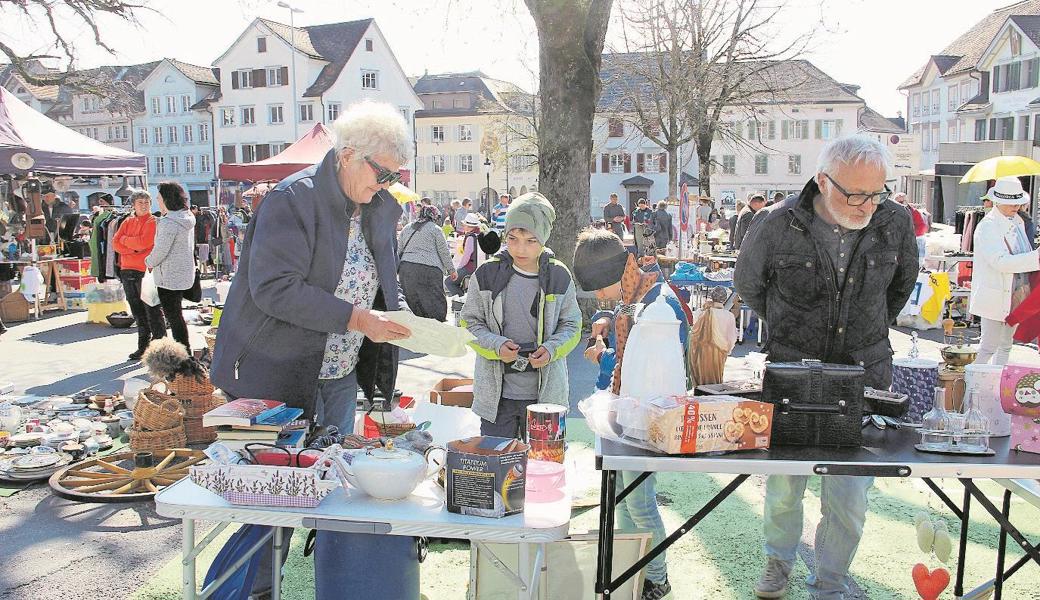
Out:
{"x": 156, "y": 411}
{"x": 189, "y": 386}
{"x": 196, "y": 433}
{"x": 165, "y": 439}
{"x": 194, "y": 409}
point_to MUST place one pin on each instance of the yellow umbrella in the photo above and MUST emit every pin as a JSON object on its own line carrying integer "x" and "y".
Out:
{"x": 1002, "y": 166}
{"x": 403, "y": 194}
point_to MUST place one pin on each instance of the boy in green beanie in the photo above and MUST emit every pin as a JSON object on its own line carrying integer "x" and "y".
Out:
{"x": 522, "y": 307}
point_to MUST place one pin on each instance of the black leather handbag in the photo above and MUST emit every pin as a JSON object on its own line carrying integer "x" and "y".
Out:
{"x": 815, "y": 404}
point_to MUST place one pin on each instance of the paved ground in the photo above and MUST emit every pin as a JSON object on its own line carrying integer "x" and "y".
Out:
{"x": 53, "y": 548}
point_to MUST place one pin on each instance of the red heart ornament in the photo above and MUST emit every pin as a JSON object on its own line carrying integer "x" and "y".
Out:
{"x": 930, "y": 584}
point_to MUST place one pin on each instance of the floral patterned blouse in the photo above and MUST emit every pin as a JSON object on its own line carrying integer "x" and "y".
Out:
{"x": 358, "y": 285}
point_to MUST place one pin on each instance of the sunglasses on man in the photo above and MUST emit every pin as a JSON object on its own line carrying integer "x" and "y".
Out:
{"x": 877, "y": 198}
{"x": 383, "y": 175}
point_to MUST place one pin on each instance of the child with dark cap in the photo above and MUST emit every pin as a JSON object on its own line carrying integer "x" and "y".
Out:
{"x": 522, "y": 307}
{"x": 603, "y": 265}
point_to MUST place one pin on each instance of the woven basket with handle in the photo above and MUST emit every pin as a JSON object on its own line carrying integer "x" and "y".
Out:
{"x": 165, "y": 439}
{"x": 189, "y": 386}
{"x": 194, "y": 409}
{"x": 156, "y": 411}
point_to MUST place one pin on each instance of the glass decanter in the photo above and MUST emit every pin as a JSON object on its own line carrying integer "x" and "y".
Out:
{"x": 975, "y": 437}
{"x": 933, "y": 423}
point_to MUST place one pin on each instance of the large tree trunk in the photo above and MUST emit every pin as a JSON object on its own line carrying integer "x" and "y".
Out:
{"x": 673, "y": 171}
{"x": 570, "y": 43}
{"x": 704, "y": 163}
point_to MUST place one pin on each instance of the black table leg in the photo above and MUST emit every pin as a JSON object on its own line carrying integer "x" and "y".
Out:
{"x": 607, "y": 503}
{"x": 608, "y": 585}
{"x": 942, "y": 496}
{"x": 958, "y": 588}
{"x": 1032, "y": 551}
{"x": 998, "y": 583}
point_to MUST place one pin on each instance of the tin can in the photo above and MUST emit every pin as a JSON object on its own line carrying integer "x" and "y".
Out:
{"x": 546, "y": 422}
{"x": 547, "y": 450}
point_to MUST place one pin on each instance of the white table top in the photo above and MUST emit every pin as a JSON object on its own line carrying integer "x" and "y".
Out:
{"x": 1027, "y": 489}
{"x": 421, "y": 514}
{"x": 890, "y": 449}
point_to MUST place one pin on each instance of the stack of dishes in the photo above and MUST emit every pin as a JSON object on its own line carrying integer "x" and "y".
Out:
{"x": 25, "y": 440}
{"x": 31, "y": 467}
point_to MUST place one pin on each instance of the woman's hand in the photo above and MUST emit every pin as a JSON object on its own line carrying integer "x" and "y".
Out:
{"x": 376, "y": 326}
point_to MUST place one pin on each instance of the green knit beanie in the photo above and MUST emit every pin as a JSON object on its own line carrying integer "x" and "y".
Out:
{"x": 533, "y": 213}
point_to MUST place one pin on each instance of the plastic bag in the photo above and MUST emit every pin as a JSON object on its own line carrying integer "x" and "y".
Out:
{"x": 149, "y": 291}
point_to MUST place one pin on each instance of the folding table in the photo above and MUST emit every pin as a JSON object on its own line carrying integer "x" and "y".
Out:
{"x": 349, "y": 510}
{"x": 885, "y": 453}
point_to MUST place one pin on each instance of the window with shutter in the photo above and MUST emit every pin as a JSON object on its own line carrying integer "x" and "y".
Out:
{"x": 605, "y": 163}
{"x": 228, "y": 153}
{"x": 615, "y": 128}
{"x": 261, "y": 44}
{"x": 639, "y": 163}
{"x": 804, "y": 133}
{"x": 259, "y": 77}
{"x": 628, "y": 162}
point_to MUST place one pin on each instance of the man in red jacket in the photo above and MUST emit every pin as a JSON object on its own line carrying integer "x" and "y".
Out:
{"x": 133, "y": 242}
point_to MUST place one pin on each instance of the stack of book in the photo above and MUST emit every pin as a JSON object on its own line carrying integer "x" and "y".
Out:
{"x": 248, "y": 420}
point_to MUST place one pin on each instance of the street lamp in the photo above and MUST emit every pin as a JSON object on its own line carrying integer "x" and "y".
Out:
{"x": 487, "y": 194}
{"x": 292, "y": 63}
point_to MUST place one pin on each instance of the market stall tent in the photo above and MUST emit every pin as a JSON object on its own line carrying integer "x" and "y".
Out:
{"x": 306, "y": 151}
{"x": 30, "y": 141}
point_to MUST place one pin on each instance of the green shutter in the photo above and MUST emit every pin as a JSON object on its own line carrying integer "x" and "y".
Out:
{"x": 783, "y": 129}
{"x": 819, "y": 128}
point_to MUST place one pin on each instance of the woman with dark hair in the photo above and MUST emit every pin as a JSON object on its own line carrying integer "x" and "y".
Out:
{"x": 172, "y": 260}
{"x": 425, "y": 260}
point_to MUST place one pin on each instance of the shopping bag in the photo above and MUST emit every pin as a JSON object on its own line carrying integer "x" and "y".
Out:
{"x": 149, "y": 291}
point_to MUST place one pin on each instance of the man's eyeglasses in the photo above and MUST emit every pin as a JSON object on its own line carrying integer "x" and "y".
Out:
{"x": 876, "y": 198}
{"x": 383, "y": 175}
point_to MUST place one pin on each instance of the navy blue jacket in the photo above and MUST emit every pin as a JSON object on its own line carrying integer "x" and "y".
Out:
{"x": 282, "y": 306}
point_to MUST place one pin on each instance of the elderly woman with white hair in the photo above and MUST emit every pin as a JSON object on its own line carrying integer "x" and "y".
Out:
{"x": 303, "y": 322}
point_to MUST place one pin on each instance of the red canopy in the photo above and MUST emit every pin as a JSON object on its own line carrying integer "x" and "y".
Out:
{"x": 306, "y": 151}
{"x": 29, "y": 141}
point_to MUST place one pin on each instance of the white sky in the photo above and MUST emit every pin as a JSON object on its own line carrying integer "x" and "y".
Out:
{"x": 872, "y": 43}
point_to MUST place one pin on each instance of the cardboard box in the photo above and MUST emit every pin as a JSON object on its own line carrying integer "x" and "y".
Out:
{"x": 486, "y": 476}
{"x": 700, "y": 424}
{"x": 15, "y": 308}
{"x": 442, "y": 394}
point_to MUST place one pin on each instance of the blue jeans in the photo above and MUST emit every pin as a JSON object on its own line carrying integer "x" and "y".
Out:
{"x": 335, "y": 402}
{"x": 639, "y": 511}
{"x": 844, "y": 505}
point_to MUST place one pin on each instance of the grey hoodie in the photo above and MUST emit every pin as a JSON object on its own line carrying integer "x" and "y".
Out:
{"x": 173, "y": 258}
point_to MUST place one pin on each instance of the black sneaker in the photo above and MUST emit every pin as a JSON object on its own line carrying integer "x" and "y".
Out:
{"x": 656, "y": 591}
{"x": 137, "y": 355}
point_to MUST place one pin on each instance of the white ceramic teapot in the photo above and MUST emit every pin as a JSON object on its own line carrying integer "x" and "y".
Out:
{"x": 386, "y": 473}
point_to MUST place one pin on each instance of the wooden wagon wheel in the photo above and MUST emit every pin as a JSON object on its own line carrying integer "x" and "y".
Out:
{"x": 124, "y": 477}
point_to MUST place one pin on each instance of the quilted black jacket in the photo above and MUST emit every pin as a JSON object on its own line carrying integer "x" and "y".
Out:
{"x": 785, "y": 276}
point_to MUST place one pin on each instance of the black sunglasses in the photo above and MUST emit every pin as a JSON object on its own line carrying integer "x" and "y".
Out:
{"x": 383, "y": 175}
{"x": 877, "y": 198}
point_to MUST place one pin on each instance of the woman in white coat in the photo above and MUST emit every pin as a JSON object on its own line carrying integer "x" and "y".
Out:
{"x": 1004, "y": 257}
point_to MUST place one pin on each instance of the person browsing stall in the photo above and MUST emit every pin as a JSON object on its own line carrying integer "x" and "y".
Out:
{"x": 134, "y": 241}
{"x": 829, "y": 271}
{"x": 602, "y": 265}
{"x": 522, "y": 307}
{"x": 172, "y": 259}
{"x": 1004, "y": 258}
